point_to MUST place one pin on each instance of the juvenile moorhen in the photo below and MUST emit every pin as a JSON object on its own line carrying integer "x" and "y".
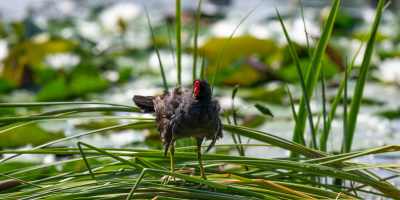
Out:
{"x": 182, "y": 114}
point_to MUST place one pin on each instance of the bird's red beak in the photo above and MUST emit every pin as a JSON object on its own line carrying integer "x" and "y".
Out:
{"x": 196, "y": 88}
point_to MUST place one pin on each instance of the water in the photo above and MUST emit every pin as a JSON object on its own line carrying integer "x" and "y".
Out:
{"x": 17, "y": 10}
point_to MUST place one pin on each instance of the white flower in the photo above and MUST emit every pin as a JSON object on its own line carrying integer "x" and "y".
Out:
{"x": 112, "y": 17}
{"x": 111, "y": 75}
{"x": 62, "y": 60}
{"x": 225, "y": 28}
{"x": 89, "y": 30}
{"x": 389, "y": 71}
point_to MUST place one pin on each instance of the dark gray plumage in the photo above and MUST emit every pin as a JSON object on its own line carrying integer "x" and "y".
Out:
{"x": 181, "y": 114}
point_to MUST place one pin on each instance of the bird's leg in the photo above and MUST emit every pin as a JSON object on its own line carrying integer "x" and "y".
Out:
{"x": 199, "y": 141}
{"x": 172, "y": 152}
{"x": 166, "y": 179}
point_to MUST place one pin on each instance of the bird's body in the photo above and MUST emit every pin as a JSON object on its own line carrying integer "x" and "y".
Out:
{"x": 183, "y": 114}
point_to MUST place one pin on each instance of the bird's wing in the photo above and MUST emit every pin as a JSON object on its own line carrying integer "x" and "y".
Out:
{"x": 217, "y": 104}
{"x": 218, "y": 134}
{"x": 165, "y": 109}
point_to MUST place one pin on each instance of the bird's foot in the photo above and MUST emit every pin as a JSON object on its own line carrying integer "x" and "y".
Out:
{"x": 165, "y": 179}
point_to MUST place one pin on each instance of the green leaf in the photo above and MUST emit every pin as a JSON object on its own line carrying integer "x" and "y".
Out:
{"x": 288, "y": 72}
{"x": 82, "y": 85}
{"x": 263, "y": 109}
{"x": 28, "y": 134}
{"x": 53, "y": 91}
{"x": 5, "y": 85}
{"x": 44, "y": 75}
{"x": 124, "y": 74}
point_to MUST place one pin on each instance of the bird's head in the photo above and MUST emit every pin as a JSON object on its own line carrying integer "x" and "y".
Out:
{"x": 201, "y": 88}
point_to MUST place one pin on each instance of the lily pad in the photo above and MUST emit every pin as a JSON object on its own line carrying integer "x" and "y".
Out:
{"x": 238, "y": 47}
{"x": 53, "y": 91}
{"x": 289, "y": 73}
{"x": 30, "y": 54}
{"x": 82, "y": 85}
{"x": 28, "y": 134}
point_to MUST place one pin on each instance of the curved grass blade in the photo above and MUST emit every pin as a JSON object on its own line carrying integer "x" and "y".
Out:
{"x": 153, "y": 37}
{"x": 221, "y": 54}
{"x": 305, "y": 29}
{"x": 299, "y": 194}
{"x": 301, "y": 79}
{"x": 139, "y": 124}
{"x": 265, "y": 164}
{"x": 335, "y": 103}
{"x": 358, "y": 91}
{"x": 345, "y": 147}
{"x": 274, "y": 140}
{"x": 198, "y": 180}
{"x": 105, "y": 153}
{"x": 178, "y": 27}
{"x": 196, "y": 32}
{"x": 315, "y": 65}
{"x": 51, "y": 118}
{"x": 323, "y": 106}
{"x": 33, "y": 104}
{"x": 202, "y": 72}
{"x": 64, "y": 112}
{"x": 301, "y": 140}
{"x": 86, "y": 162}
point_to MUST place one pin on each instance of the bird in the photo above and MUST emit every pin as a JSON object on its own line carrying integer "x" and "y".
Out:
{"x": 183, "y": 114}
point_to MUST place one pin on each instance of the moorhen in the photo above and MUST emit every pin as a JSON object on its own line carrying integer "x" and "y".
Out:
{"x": 182, "y": 114}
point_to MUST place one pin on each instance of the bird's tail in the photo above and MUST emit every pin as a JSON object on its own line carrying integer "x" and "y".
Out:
{"x": 145, "y": 103}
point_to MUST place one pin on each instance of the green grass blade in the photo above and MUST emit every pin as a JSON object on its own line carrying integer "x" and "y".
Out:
{"x": 335, "y": 103}
{"x": 234, "y": 116}
{"x": 196, "y": 32}
{"x": 209, "y": 183}
{"x": 85, "y": 160}
{"x": 105, "y": 153}
{"x": 315, "y": 65}
{"x": 273, "y": 140}
{"x": 323, "y": 108}
{"x": 70, "y": 111}
{"x": 351, "y": 155}
{"x": 170, "y": 41}
{"x": 178, "y": 27}
{"x": 9, "y": 105}
{"x": 346, "y": 144}
{"x": 305, "y": 169}
{"x": 305, "y": 29}
{"x": 149, "y": 164}
{"x": 153, "y": 37}
{"x": 301, "y": 79}
{"x": 358, "y": 91}
{"x": 237, "y": 145}
{"x": 138, "y": 124}
{"x": 136, "y": 184}
{"x": 301, "y": 139}
{"x": 52, "y": 118}
{"x": 202, "y": 72}
{"x": 221, "y": 54}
